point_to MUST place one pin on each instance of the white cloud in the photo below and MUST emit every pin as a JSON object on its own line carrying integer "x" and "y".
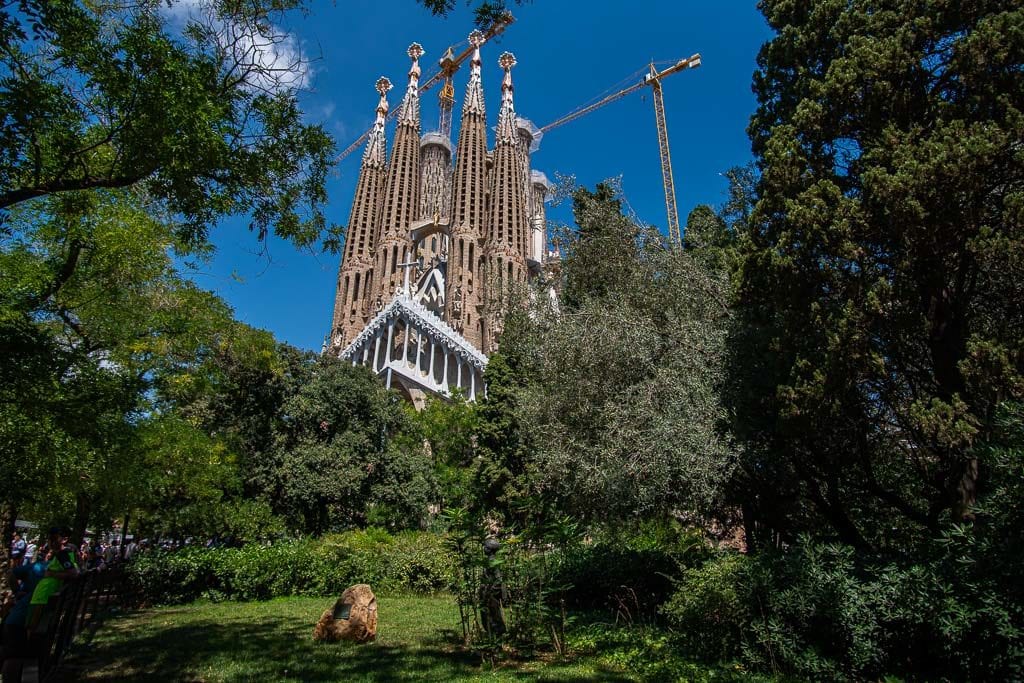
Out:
{"x": 267, "y": 57}
{"x": 178, "y": 12}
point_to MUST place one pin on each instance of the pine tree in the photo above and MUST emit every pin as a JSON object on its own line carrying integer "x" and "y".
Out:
{"x": 883, "y": 278}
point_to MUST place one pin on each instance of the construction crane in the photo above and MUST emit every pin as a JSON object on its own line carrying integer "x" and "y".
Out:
{"x": 652, "y": 79}
{"x": 449, "y": 64}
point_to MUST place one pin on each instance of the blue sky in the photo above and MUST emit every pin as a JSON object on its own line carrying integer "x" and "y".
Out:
{"x": 568, "y": 53}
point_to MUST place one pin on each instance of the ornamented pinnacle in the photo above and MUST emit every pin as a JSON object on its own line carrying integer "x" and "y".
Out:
{"x": 507, "y": 115}
{"x": 410, "y": 113}
{"x": 383, "y": 86}
{"x": 374, "y": 154}
{"x": 474, "y": 102}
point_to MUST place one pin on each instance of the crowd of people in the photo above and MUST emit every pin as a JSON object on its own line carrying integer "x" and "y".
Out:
{"x": 37, "y": 572}
{"x": 93, "y": 554}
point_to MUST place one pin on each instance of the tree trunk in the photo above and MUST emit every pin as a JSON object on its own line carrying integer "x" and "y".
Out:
{"x": 8, "y": 515}
{"x": 124, "y": 536}
{"x": 966, "y": 493}
{"x": 749, "y": 522}
{"x": 82, "y": 508}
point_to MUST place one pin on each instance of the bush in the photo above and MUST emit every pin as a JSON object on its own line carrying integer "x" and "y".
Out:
{"x": 653, "y": 654}
{"x": 707, "y": 609}
{"x": 951, "y": 607}
{"x": 414, "y": 561}
{"x": 821, "y": 612}
{"x": 628, "y": 570}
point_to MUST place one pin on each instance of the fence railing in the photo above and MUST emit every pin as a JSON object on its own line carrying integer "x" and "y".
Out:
{"x": 78, "y": 606}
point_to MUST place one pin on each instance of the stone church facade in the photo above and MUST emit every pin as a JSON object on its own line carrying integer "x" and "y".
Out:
{"x": 439, "y": 244}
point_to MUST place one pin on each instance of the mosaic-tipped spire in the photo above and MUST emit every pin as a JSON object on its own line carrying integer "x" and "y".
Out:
{"x": 374, "y": 154}
{"x": 474, "y": 102}
{"x": 506, "y": 132}
{"x": 410, "y": 114}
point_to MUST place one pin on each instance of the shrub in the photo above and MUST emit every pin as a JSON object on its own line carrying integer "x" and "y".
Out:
{"x": 821, "y": 612}
{"x": 707, "y": 609}
{"x": 414, "y": 561}
{"x": 628, "y": 570}
{"x": 951, "y": 607}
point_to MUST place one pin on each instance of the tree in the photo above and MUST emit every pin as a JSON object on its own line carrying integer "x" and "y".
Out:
{"x": 105, "y": 95}
{"x": 621, "y": 396}
{"x": 451, "y": 428}
{"x": 344, "y": 453}
{"x": 881, "y": 284}
{"x": 85, "y": 353}
{"x": 486, "y": 12}
{"x": 604, "y": 249}
{"x": 500, "y": 468}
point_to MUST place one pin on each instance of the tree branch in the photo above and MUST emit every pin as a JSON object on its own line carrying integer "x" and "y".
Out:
{"x": 21, "y": 194}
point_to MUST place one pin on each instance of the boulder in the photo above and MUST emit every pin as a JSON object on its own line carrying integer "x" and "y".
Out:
{"x": 353, "y": 617}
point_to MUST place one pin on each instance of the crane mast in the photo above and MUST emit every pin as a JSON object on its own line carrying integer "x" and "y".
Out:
{"x": 446, "y": 98}
{"x": 653, "y": 80}
{"x": 666, "y": 160}
{"x": 449, "y": 65}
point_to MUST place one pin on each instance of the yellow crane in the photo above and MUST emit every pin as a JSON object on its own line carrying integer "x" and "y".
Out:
{"x": 653, "y": 80}
{"x": 449, "y": 64}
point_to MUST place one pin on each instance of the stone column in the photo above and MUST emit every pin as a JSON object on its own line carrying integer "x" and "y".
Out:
{"x": 391, "y": 335}
{"x": 376, "y": 349}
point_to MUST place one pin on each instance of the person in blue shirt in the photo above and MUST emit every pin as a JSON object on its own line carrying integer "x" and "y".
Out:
{"x": 15, "y": 623}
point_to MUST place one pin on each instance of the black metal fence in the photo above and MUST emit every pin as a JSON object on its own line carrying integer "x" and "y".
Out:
{"x": 75, "y": 609}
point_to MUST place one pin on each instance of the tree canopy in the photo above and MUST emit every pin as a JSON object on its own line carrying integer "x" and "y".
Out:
{"x": 109, "y": 95}
{"x": 881, "y": 283}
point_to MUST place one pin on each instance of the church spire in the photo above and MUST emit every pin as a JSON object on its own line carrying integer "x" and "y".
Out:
{"x": 355, "y": 275}
{"x": 374, "y": 154}
{"x": 506, "y": 132}
{"x": 401, "y": 193}
{"x": 474, "y": 102}
{"x": 410, "y": 113}
{"x": 464, "y": 283}
{"x": 507, "y": 220}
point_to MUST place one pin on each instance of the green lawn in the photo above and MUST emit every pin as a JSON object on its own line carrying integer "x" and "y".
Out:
{"x": 271, "y": 641}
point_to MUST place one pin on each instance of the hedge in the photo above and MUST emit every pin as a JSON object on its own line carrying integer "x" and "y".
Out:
{"x": 413, "y": 561}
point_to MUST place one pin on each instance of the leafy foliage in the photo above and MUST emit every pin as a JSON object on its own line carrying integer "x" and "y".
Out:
{"x": 451, "y": 430}
{"x": 485, "y": 13}
{"x": 621, "y": 384}
{"x": 825, "y": 611}
{"x": 94, "y": 317}
{"x": 322, "y": 442}
{"x": 107, "y": 96}
{"x": 414, "y": 561}
{"x": 880, "y": 287}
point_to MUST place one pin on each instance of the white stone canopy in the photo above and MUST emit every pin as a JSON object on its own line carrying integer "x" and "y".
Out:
{"x": 408, "y": 345}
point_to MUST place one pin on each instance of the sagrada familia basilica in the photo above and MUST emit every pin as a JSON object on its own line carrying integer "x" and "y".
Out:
{"x": 435, "y": 249}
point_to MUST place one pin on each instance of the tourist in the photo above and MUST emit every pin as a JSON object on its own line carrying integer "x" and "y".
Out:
{"x": 97, "y": 560}
{"x": 61, "y": 566}
{"x": 14, "y": 639}
{"x": 18, "y": 546}
{"x": 30, "y": 551}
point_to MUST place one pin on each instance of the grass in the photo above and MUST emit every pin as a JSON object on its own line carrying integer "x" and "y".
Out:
{"x": 272, "y": 641}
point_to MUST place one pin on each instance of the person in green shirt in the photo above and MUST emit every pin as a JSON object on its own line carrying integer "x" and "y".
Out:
{"x": 61, "y": 567}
